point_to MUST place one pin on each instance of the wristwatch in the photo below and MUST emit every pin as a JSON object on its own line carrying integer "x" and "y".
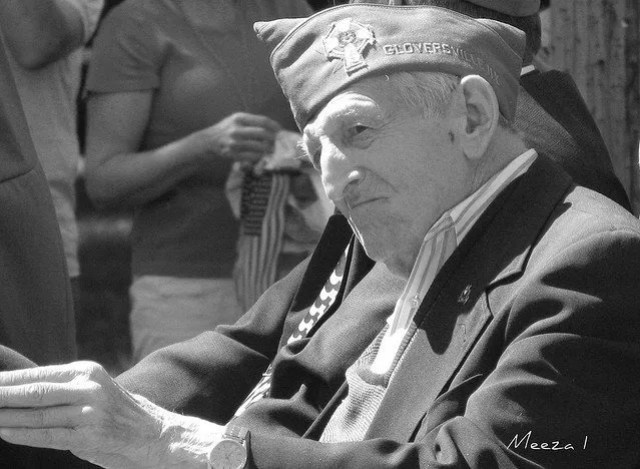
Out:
{"x": 232, "y": 452}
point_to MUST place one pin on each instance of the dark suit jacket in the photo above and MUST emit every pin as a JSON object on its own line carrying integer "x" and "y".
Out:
{"x": 548, "y": 342}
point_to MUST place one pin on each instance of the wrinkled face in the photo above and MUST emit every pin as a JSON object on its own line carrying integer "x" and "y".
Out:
{"x": 389, "y": 169}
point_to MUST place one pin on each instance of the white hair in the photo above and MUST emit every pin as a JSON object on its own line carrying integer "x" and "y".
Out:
{"x": 428, "y": 92}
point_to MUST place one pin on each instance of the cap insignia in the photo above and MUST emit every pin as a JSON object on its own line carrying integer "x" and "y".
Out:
{"x": 348, "y": 40}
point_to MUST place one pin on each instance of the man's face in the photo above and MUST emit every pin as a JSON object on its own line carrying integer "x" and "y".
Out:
{"x": 391, "y": 171}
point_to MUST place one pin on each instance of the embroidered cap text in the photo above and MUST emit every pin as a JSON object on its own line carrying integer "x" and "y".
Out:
{"x": 441, "y": 48}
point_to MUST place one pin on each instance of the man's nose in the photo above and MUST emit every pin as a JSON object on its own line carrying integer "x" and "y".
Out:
{"x": 338, "y": 174}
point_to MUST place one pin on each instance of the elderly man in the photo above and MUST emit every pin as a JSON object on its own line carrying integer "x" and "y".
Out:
{"x": 512, "y": 329}
{"x": 560, "y": 127}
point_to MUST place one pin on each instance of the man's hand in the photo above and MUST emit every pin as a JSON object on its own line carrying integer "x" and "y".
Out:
{"x": 78, "y": 407}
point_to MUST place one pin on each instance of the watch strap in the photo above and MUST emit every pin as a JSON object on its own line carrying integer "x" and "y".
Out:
{"x": 236, "y": 432}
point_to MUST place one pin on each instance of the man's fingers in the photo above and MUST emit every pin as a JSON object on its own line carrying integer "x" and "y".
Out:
{"x": 54, "y": 438}
{"x": 43, "y": 394}
{"x": 43, "y": 417}
{"x": 52, "y": 374}
{"x": 56, "y": 374}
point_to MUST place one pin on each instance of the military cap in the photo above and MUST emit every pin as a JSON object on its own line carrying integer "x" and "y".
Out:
{"x": 315, "y": 58}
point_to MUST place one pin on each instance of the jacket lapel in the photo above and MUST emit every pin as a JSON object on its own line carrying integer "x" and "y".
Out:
{"x": 335, "y": 238}
{"x": 453, "y": 314}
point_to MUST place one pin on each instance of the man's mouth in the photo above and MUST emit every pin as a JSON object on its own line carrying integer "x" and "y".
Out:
{"x": 359, "y": 202}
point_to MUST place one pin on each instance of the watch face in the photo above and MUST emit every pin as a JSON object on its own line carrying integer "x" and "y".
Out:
{"x": 228, "y": 454}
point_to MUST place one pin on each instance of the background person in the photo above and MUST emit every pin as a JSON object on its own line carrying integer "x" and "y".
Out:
{"x": 36, "y": 308}
{"x": 178, "y": 91}
{"x": 45, "y": 42}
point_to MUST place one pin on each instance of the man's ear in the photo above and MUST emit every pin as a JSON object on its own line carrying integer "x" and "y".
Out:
{"x": 482, "y": 114}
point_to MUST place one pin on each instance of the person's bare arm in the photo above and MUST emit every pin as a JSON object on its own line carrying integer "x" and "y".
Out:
{"x": 119, "y": 174}
{"x": 116, "y": 172}
{"x": 39, "y": 32}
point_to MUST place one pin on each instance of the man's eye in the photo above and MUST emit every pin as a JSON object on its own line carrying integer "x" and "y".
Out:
{"x": 359, "y": 135}
{"x": 357, "y": 129}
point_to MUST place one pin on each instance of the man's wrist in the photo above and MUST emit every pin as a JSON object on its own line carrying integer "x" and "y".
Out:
{"x": 190, "y": 441}
{"x": 185, "y": 442}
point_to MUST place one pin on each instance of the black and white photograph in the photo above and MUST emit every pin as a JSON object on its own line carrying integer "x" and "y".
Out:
{"x": 320, "y": 234}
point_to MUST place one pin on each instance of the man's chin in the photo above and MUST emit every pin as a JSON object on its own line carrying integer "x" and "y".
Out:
{"x": 381, "y": 253}
{"x": 372, "y": 247}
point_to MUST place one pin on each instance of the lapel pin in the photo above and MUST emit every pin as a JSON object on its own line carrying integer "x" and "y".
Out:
{"x": 464, "y": 296}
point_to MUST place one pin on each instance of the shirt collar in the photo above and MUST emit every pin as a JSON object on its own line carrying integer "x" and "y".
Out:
{"x": 527, "y": 69}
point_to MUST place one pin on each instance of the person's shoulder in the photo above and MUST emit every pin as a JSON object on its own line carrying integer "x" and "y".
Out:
{"x": 547, "y": 78}
{"x": 136, "y": 19}
{"x": 138, "y": 10}
{"x": 93, "y": 7}
{"x": 89, "y": 12}
{"x": 587, "y": 218}
{"x": 601, "y": 210}
{"x": 577, "y": 202}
